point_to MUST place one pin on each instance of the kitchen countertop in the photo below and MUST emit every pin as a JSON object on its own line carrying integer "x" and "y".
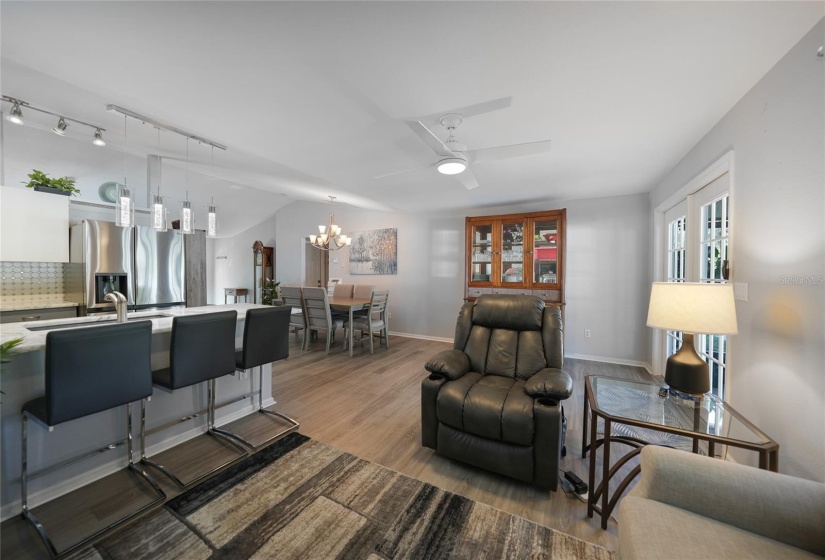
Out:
{"x": 36, "y": 340}
{"x": 24, "y": 303}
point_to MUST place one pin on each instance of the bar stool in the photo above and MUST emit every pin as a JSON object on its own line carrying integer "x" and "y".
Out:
{"x": 202, "y": 349}
{"x": 90, "y": 370}
{"x": 265, "y": 340}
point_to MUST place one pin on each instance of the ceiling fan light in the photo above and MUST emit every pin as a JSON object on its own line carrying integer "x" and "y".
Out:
{"x": 451, "y": 166}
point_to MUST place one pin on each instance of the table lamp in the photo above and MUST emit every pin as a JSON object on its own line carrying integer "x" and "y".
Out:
{"x": 691, "y": 308}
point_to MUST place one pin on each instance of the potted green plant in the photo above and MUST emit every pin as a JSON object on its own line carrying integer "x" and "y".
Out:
{"x": 41, "y": 182}
{"x": 271, "y": 293}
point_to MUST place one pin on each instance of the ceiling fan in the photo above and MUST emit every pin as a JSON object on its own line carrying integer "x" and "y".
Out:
{"x": 453, "y": 158}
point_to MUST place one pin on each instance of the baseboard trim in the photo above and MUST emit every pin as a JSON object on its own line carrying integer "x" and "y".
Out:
{"x": 422, "y": 337}
{"x": 620, "y": 361}
{"x": 64, "y": 487}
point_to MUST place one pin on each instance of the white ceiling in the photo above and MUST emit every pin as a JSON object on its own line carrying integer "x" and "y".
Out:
{"x": 310, "y": 97}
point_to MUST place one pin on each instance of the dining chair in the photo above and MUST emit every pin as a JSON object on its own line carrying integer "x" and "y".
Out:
{"x": 343, "y": 290}
{"x": 374, "y": 321}
{"x": 362, "y": 291}
{"x": 294, "y": 297}
{"x": 331, "y": 285}
{"x": 319, "y": 318}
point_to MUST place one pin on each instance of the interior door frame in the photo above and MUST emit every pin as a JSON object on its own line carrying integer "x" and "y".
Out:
{"x": 724, "y": 164}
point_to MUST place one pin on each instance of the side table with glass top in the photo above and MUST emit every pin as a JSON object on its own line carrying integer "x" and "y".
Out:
{"x": 635, "y": 414}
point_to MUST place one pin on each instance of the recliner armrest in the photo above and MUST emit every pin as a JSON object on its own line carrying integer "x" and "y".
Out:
{"x": 452, "y": 364}
{"x": 549, "y": 383}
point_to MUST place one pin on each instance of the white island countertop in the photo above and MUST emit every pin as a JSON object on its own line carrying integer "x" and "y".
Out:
{"x": 34, "y": 340}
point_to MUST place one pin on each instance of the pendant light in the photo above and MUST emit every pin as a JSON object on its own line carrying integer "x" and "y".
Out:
{"x": 212, "y": 211}
{"x": 187, "y": 215}
{"x": 124, "y": 207}
{"x": 212, "y": 223}
{"x": 159, "y": 218}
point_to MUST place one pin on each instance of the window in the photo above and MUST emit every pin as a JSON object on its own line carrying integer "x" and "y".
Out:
{"x": 697, "y": 246}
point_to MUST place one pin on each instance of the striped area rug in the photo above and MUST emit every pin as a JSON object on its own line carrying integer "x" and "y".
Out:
{"x": 300, "y": 499}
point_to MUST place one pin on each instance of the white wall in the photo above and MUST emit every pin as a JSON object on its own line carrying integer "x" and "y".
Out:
{"x": 608, "y": 278}
{"x": 777, "y": 133}
{"x": 236, "y": 270}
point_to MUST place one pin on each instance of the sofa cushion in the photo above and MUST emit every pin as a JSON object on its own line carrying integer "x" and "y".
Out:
{"x": 650, "y": 530}
{"x": 491, "y": 407}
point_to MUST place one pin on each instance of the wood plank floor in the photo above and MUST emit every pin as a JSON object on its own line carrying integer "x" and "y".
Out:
{"x": 370, "y": 406}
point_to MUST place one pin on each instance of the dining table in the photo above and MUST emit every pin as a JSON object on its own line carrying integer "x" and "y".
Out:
{"x": 350, "y": 304}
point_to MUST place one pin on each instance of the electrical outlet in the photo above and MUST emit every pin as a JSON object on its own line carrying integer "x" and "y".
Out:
{"x": 586, "y": 333}
{"x": 389, "y": 315}
{"x": 243, "y": 375}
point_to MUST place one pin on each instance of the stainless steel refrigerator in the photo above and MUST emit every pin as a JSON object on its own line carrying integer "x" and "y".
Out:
{"x": 145, "y": 265}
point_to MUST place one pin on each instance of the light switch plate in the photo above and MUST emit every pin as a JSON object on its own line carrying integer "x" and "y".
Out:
{"x": 740, "y": 291}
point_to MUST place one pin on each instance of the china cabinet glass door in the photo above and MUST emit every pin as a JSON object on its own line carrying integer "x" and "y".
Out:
{"x": 512, "y": 252}
{"x": 546, "y": 242}
{"x": 481, "y": 253}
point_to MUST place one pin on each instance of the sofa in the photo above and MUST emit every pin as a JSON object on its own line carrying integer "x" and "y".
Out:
{"x": 692, "y": 506}
{"x": 494, "y": 399}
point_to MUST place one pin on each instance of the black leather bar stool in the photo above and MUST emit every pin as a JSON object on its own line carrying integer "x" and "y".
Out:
{"x": 90, "y": 370}
{"x": 202, "y": 349}
{"x": 265, "y": 340}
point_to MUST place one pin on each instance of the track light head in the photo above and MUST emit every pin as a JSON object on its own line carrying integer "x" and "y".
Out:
{"x": 98, "y": 140}
{"x": 61, "y": 127}
{"x": 16, "y": 115}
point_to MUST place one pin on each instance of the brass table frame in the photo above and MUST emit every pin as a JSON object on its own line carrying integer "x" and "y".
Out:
{"x": 768, "y": 451}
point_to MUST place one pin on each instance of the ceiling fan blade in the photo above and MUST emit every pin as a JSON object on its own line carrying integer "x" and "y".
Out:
{"x": 467, "y": 179}
{"x": 472, "y": 110}
{"x": 410, "y": 170}
{"x": 430, "y": 139}
{"x": 507, "y": 152}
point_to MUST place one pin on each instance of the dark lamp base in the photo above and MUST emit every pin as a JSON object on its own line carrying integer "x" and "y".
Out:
{"x": 686, "y": 371}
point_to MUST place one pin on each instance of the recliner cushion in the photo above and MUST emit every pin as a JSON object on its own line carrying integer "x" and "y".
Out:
{"x": 492, "y": 407}
{"x": 501, "y": 353}
{"x": 517, "y": 312}
{"x": 530, "y": 355}
{"x": 478, "y": 344}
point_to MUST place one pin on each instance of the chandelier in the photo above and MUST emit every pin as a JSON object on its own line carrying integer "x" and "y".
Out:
{"x": 330, "y": 237}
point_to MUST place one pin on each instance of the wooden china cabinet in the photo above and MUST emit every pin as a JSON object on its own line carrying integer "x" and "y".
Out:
{"x": 517, "y": 254}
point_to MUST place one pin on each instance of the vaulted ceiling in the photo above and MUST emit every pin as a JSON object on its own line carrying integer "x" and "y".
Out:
{"x": 310, "y": 97}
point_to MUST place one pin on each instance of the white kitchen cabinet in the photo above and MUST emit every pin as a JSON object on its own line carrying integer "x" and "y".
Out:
{"x": 34, "y": 226}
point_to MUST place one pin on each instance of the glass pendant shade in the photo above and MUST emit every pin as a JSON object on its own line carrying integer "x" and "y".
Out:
{"x": 187, "y": 218}
{"x": 212, "y": 222}
{"x": 159, "y": 214}
{"x": 124, "y": 208}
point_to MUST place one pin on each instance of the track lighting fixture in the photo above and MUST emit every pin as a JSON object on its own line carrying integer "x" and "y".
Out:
{"x": 16, "y": 115}
{"x": 61, "y": 127}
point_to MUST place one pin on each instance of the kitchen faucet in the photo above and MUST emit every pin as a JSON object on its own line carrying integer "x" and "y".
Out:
{"x": 121, "y": 305}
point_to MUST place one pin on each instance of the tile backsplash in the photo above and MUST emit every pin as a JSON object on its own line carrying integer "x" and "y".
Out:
{"x": 32, "y": 279}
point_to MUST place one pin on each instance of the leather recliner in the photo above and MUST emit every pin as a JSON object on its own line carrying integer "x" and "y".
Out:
{"x": 493, "y": 401}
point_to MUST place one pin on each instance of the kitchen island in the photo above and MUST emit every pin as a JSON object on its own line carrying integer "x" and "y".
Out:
{"x": 24, "y": 379}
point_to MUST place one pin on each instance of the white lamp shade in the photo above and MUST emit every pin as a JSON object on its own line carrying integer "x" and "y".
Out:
{"x": 692, "y": 307}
